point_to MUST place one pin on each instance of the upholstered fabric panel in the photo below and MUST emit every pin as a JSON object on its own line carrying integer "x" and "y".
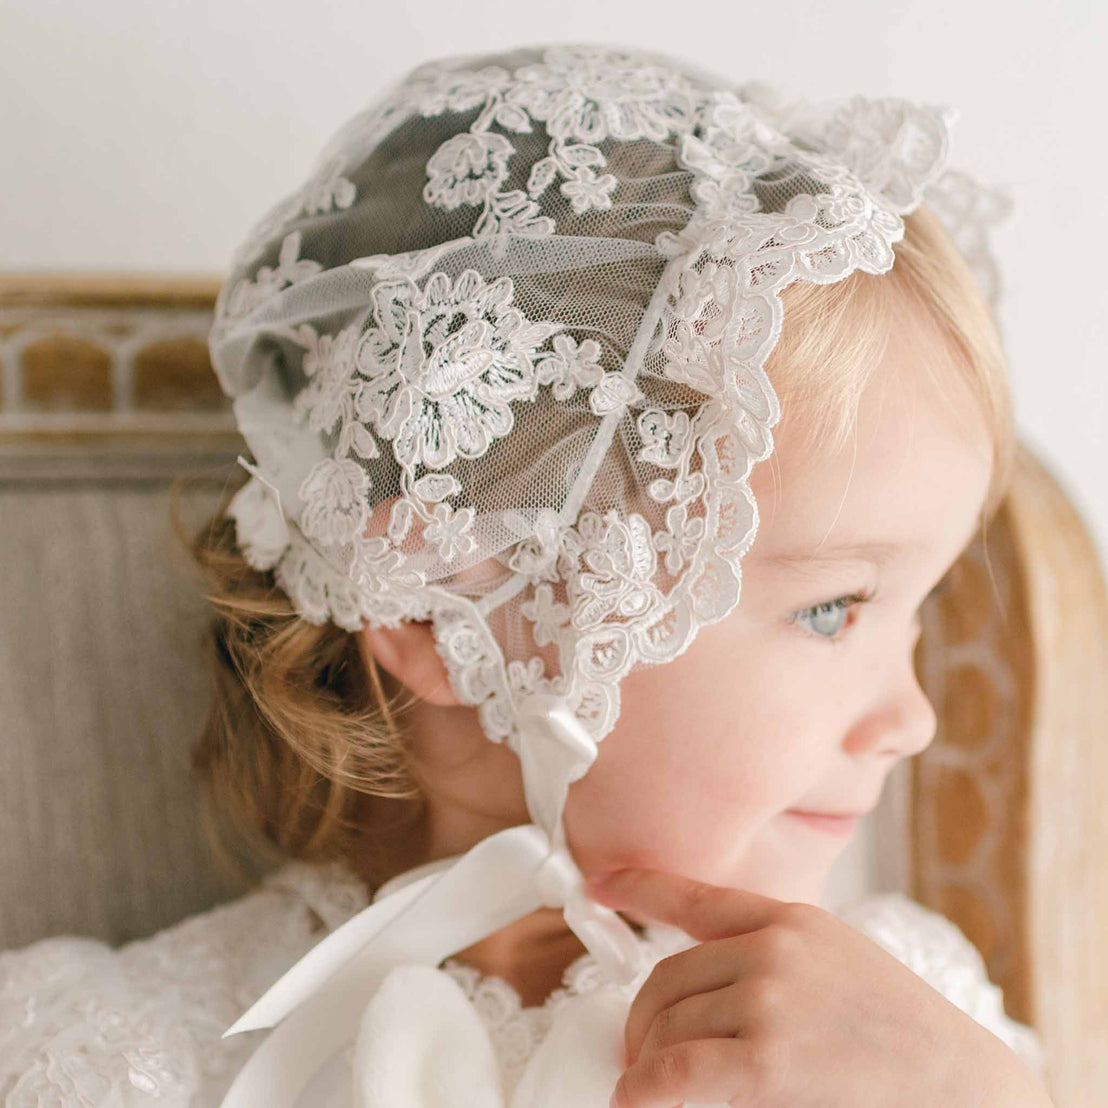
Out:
{"x": 102, "y": 692}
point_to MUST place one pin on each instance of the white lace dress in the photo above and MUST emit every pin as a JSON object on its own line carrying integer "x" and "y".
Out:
{"x": 82, "y": 1024}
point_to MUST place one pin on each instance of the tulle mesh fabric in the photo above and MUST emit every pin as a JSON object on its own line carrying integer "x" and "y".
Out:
{"x": 500, "y": 361}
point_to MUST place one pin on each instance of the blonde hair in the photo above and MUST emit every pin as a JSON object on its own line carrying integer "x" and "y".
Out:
{"x": 303, "y": 727}
{"x": 834, "y": 336}
{"x": 303, "y": 751}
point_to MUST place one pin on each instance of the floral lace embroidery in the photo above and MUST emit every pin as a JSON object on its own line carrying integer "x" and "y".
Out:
{"x": 331, "y": 889}
{"x": 438, "y": 391}
{"x": 82, "y": 1024}
{"x": 434, "y": 375}
{"x": 583, "y": 95}
{"x": 270, "y": 280}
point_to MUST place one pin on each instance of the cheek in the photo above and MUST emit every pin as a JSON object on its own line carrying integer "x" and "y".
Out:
{"x": 708, "y": 749}
{"x": 667, "y": 794}
{"x": 725, "y": 721}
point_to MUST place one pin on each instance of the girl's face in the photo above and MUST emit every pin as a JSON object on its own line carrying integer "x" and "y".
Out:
{"x": 801, "y": 698}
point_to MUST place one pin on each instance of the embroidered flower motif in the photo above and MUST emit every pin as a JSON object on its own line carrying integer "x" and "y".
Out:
{"x": 266, "y": 228}
{"x": 569, "y": 366}
{"x": 526, "y": 678}
{"x": 689, "y": 359}
{"x": 732, "y": 142}
{"x": 589, "y": 93}
{"x": 622, "y": 560}
{"x": 150, "y": 1070}
{"x": 583, "y": 95}
{"x": 329, "y": 363}
{"x": 537, "y": 557}
{"x": 777, "y": 198}
{"x": 334, "y": 493}
{"x": 56, "y": 1079}
{"x": 681, "y": 539}
{"x": 327, "y": 188}
{"x": 585, "y": 190}
{"x": 687, "y": 487}
{"x": 270, "y": 280}
{"x": 665, "y": 437}
{"x": 466, "y": 169}
{"x": 704, "y": 295}
{"x": 448, "y": 531}
{"x": 441, "y": 391}
{"x": 455, "y": 90}
{"x": 433, "y": 487}
{"x": 383, "y": 570}
{"x": 726, "y": 200}
{"x": 548, "y": 616}
{"x": 329, "y": 395}
{"x": 613, "y": 393}
{"x": 111, "y": 1041}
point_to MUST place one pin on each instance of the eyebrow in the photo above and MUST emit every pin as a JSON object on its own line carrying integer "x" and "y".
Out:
{"x": 835, "y": 554}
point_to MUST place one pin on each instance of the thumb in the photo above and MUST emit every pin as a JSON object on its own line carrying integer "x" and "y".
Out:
{"x": 701, "y": 910}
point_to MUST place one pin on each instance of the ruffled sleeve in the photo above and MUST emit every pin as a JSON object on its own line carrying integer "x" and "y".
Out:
{"x": 936, "y": 949}
{"x": 82, "y": 1024}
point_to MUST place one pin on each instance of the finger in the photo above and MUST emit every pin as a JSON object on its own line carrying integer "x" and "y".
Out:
{"x": 690, "y": 973}
{"x": 701, "y": 910}
{"x": 704, "y": 1071}
{"x": 713, "y": 1015}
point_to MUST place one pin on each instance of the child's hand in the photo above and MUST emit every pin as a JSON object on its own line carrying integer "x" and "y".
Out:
{"x": 784, "y": 1005}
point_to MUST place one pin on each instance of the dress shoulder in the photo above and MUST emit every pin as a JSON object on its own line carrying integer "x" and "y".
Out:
{"x": 936, "y": 949}
{"x": 140, "y": 1025}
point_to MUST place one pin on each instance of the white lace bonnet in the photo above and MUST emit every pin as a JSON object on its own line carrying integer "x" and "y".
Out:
{"x": 519, "y": 315}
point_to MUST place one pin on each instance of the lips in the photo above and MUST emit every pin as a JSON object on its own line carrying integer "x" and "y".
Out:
{"x": 835, "y": 815}
{"x": 822, "y": 821}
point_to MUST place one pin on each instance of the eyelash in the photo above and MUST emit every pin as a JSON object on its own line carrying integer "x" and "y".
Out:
{"x": 844, "y": 602}
{"x": 847, "y": 602}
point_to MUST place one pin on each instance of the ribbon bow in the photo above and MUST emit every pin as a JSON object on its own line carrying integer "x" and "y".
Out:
{"x": 322, "y": 1001}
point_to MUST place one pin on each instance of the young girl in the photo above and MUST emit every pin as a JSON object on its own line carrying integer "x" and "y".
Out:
{"x": 506, "y": 365}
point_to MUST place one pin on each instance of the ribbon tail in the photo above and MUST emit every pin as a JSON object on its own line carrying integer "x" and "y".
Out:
{"x": 556, "y": 750}
{"x": 607, "y": 937}
{"x": 326, "y": 958}
{"x": 422, "y": 1044}
{"x": 485, "y": 890}
{"x": 581, "y": 1057}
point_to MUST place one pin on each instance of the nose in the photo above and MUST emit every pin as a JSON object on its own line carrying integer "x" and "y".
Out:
{"x": 918, "y": 720}
{"x": 901, "y": 720}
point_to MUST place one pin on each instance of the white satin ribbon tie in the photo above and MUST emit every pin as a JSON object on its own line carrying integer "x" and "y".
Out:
{"x": 319, "y": 1005}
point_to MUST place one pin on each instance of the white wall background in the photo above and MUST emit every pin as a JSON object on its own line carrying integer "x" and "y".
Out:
{"x": 142, "y": 136}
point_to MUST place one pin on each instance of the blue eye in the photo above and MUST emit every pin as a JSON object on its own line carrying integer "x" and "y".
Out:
{"x": 826, "y": 620}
